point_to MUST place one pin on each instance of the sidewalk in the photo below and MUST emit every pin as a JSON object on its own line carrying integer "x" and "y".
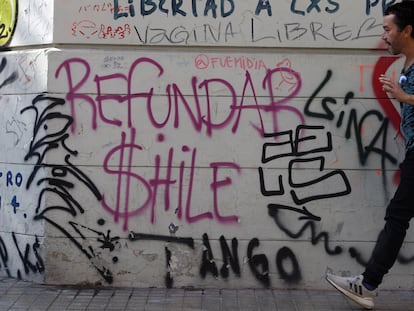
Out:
{"x": 18, "y": 295}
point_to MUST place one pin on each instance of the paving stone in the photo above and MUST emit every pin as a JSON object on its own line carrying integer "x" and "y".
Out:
{"x": 17, "y": 295}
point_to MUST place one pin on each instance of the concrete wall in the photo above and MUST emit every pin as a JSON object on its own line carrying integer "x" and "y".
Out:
{"x": 243, "y": 145}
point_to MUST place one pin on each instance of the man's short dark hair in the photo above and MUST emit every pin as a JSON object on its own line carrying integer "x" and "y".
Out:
{"x": 403, "y": 14}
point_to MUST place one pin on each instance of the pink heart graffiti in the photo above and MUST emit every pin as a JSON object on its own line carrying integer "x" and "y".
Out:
{"x": 392, "y": 114}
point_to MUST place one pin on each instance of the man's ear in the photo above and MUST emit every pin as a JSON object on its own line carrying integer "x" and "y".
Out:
{"x": 408, "y": 30}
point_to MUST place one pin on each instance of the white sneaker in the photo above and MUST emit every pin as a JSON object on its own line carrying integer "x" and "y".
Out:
{"x": 352, "y": 288}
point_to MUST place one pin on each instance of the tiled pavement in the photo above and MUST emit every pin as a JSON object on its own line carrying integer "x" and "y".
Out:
{"x": 18, "y": 295}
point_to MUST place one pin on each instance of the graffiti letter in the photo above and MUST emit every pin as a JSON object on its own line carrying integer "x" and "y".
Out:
{"x": 4, "y": 256}
{"x": 264, "y": 5}
{"x": 217, "y": 184}
{"x": 286, "y": 254}
{"x": 208, "y": 264}
{"x": 258, "y": 260}
{"x": 126, "y": 170}
{"x": 228, "y": 257}
{"x": 72, "y": 94}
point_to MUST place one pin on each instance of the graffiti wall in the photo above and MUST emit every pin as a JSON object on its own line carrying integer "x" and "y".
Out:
{"x": 267, "y": 23}
{"x": 21, "y": 238}
{"x": 25, "y": 22}
{"x": 284, "y": 23}
{"x": 192, "y": 167}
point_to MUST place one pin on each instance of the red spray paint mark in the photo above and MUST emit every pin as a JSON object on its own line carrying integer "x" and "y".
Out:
{"x": 393, "y": 115}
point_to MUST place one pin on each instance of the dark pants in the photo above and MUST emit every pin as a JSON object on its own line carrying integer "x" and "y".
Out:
{"x": 397, "y": 217}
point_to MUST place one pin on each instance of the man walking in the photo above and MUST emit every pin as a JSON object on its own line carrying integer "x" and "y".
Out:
{"x": 398, "y": 25}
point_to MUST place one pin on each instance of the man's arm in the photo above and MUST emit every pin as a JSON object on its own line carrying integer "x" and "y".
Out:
{"x": 395, "y": 90}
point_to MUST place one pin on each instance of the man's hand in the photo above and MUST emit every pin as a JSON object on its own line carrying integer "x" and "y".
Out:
{"x": 394, "y": 89}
